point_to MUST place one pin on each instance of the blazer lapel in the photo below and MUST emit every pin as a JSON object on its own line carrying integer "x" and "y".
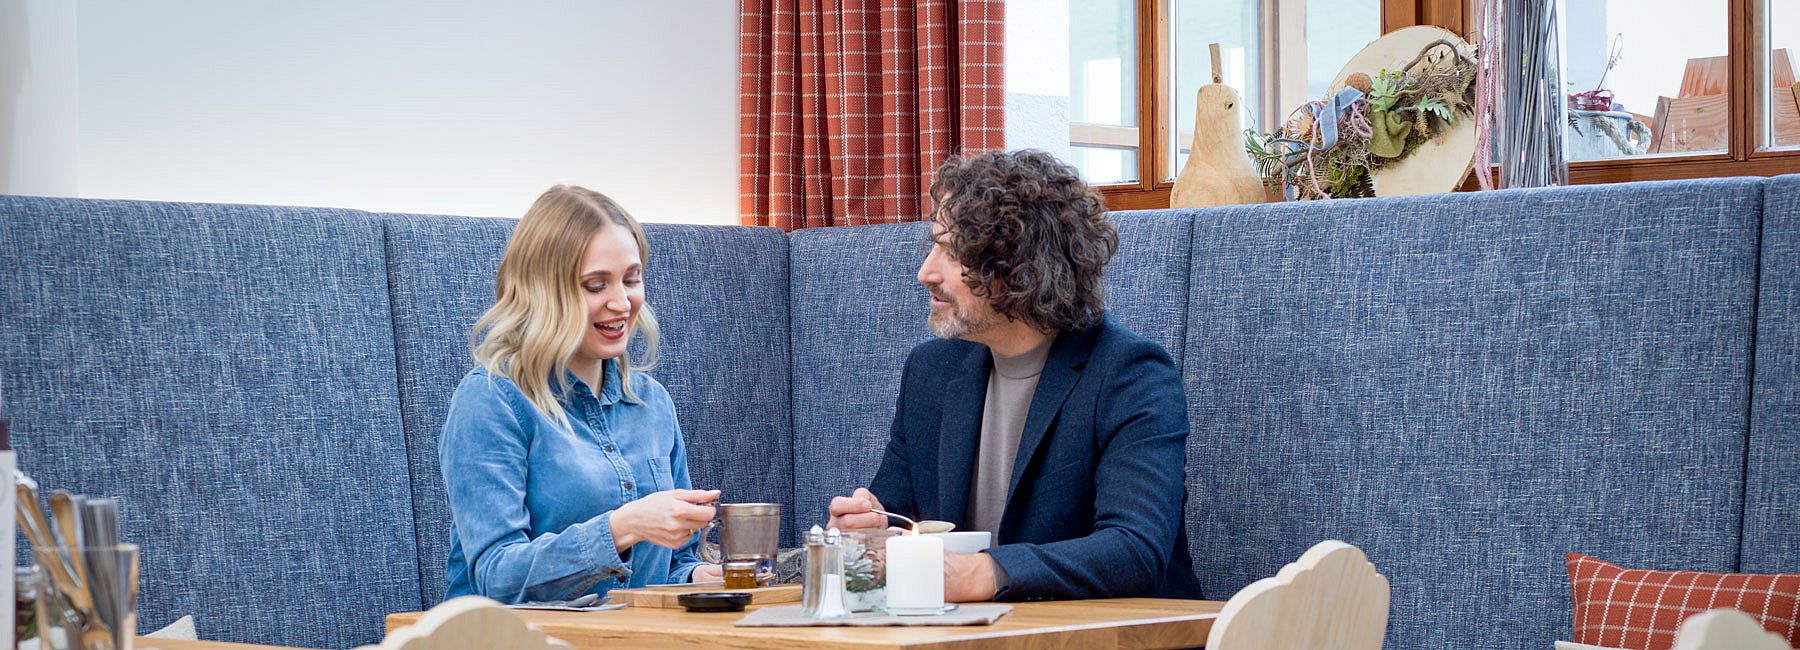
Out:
{"x": 1068, "y": 355}
{"x": 959, "y": 433}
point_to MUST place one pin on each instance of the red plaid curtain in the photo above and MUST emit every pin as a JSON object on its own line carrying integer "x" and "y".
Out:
{"x": 845, "y": 107}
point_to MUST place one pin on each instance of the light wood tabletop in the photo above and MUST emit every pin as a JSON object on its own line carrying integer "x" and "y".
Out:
{"x": 1111, "y": 623}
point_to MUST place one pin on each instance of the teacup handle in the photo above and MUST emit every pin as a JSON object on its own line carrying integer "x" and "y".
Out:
{"x": 710, "y": 553}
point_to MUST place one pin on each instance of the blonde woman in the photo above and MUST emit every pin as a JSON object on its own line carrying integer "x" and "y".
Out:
{"x": 564, "y": 464}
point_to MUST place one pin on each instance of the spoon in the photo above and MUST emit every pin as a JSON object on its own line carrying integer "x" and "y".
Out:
{"x": 904, "y": 518}
{"x": 64, "y": 508}
{"x": 929, "y": 526}
{"x": 37, "y": 528}
{"x": 923, "y": 526}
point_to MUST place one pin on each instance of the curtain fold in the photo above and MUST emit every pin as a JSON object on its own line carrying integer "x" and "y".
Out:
{"x": 845, "y": 107}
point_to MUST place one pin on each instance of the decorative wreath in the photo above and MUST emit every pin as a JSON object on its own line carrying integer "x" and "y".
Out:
{"x": 1327, "y": 148}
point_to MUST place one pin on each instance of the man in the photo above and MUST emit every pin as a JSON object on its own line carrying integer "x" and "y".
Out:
{"x": 1037, "y": 417}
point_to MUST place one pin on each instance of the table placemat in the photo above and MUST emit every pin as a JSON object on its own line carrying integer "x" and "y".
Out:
{"x": 790, "y": 616}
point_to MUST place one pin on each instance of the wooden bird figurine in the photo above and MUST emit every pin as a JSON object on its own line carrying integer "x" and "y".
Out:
{"x": 1218, "y": 171}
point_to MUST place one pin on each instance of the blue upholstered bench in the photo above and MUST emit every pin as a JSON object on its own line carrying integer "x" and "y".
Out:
{"x": 1466, "y": 386}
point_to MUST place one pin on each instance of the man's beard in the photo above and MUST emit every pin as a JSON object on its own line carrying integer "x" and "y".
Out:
{"x": 953, "y": 323}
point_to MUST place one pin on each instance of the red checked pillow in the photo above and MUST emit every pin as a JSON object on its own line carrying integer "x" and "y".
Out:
{"x": 1641, "y": 609}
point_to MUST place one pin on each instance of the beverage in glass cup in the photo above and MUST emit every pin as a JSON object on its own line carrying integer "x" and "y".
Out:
{"x": 749, "y": 534}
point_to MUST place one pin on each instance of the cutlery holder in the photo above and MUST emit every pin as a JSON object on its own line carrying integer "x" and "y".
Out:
{"x": 93, "y": 602}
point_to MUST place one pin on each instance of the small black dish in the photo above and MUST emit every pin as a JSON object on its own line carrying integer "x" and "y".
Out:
{"x": 714, "y": 602}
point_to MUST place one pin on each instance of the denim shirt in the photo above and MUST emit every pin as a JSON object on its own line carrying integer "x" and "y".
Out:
{"x": 529, "y": 502}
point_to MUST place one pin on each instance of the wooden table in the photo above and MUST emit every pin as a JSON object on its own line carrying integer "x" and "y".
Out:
{"x": 1113, "y": 623}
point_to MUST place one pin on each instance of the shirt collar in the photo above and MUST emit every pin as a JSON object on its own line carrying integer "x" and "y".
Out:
{"x": 610, "y": 386}
{"x": 1024, "y": 365}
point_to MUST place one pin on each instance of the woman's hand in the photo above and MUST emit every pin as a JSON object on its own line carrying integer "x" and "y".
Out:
{"x": 707, "y": 573}
{"x": 667, "y": 518}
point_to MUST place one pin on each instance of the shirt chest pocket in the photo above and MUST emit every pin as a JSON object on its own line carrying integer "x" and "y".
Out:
{"x": 661, "y": 475}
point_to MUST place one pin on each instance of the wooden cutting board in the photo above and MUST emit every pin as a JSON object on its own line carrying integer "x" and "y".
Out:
{"x": 665, "y": 596}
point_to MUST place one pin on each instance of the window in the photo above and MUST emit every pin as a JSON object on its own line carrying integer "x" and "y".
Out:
{"x": 1782, "y": 33}
{"x": 1127, "y": 63}
{"x": 1103, "y": 116}
{"x": 1308, "y": 43}
{"x": 1643, "y": 83}
{"x": 1236, "y": 26}
{"x": 1722, "y": 71}
{"x": 1723, "y": 112}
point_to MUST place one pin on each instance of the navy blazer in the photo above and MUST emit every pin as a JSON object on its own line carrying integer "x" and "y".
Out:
{"x": 1098, "y": 492}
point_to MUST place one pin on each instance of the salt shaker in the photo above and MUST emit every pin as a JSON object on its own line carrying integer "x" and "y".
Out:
{"x": 824, "y": 596}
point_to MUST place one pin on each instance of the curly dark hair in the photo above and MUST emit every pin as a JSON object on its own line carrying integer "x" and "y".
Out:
{"x": 1032, "y": 237}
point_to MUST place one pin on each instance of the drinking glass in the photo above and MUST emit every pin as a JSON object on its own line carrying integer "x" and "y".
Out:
{"x": 27, "y": 581}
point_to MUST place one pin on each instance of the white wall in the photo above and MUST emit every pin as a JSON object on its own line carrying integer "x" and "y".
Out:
{"x": 464, "y": 107}
{"x": 39, "y": 133}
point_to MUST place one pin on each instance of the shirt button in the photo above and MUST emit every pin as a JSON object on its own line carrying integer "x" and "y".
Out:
{"x": 630, "y": 486}
{"x": 609, "y": 449}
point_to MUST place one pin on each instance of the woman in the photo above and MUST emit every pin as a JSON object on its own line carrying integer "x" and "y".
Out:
{"x": 565, "y": 467}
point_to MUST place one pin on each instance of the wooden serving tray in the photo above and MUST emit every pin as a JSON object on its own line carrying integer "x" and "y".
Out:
{"x": 665, "y": 596}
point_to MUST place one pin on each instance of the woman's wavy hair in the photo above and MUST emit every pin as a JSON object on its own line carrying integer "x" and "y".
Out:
{"x": 1033, "y": 238}
{"x": 539, "y": 315}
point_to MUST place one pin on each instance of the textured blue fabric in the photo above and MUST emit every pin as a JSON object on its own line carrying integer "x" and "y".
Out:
{"x": 1147, "y": 281}
{"x": 229, "y": 372}
{"x": 1466, "y": 386}
{"x": 1772, "y": 494}
{"x": 440, "y": 279}
{"x": 858, "y": 310}
{"x": 532, "y": 498}
{"x": 720, "y": 294}
{"x": 1469, "y": 386}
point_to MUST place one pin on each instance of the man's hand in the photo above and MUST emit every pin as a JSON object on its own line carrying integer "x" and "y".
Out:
{"x": 707, "y": 573}
{"x": 968, "y": 577}
{"x": 852, "y": 512}
{"x": 667, "y": 518}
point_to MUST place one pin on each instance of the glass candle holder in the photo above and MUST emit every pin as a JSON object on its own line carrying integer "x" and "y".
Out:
{"x": 865, "y": 568}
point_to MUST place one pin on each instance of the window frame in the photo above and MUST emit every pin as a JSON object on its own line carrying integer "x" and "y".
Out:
{"x": 1747, "y": 48}
{"x": 1152, "y": 25}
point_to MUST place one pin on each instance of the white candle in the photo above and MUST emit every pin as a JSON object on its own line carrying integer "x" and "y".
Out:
{"x": 915, "y": 574}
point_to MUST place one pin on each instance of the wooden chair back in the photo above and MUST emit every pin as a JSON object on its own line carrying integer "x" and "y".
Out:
{"x": 1330, "y": 599}
{"x": 469, "y": 623}
{"x": 1698, "y": 118}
